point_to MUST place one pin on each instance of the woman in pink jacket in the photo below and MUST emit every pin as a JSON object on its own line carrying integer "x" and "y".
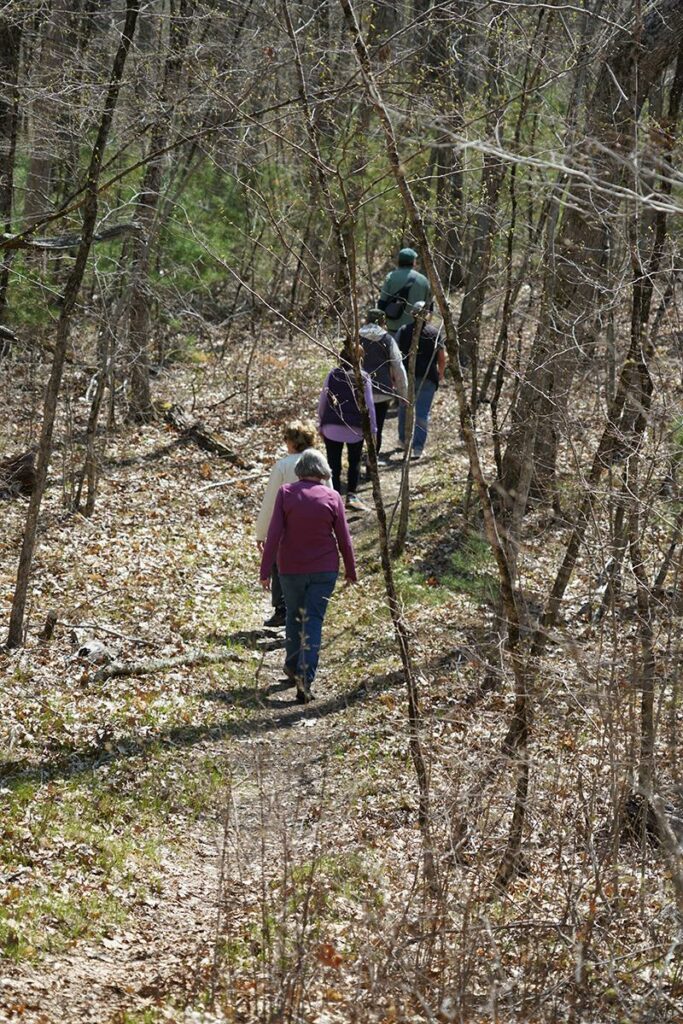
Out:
{"x": 307, "y": 532}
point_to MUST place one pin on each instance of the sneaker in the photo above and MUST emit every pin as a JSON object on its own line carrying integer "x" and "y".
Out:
{"x": 416, "y": 456}
{"x": 278, "y": 618}
{"x": 354, "y": 503}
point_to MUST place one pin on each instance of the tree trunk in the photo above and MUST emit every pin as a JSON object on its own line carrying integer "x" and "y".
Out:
{"x": 141, "y": 408}
{"x": 404, "y": 489}
{"x": 10, "y": 42}
{"x": 398, "y": 622}
{"x": 485, "y": 226}
{"x": 73, "y": 285}
{"x": 567, "y": 328}
{"x": 518, "y": 733}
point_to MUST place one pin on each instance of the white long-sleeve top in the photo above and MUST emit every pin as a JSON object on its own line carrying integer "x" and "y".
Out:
{"x": 281, "y": 473}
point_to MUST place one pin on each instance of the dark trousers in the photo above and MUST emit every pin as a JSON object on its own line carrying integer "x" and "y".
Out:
{"x": 381, "y": 410}
{"x": 354, "y": 451}
{"x": 307, "y": 595}
{"x": 276, "y": 596}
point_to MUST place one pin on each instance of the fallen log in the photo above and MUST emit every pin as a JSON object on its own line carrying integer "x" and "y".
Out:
{"x": 7, "y": 339}
{"x": 207, "y": 440}
{"x": 150, "y": 665}
{"x": 61, "y": 242}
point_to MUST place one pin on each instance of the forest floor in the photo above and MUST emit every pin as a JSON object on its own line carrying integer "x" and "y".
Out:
{"x": 191, "y": 844}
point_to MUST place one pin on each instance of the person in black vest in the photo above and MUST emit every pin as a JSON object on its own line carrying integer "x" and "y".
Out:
{"x": 430, "y": 367}
{"x": 341, "y": 423}
{"x": 383, "y": 362}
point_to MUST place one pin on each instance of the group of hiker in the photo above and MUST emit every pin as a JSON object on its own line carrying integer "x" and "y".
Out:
{"x": 301, "y": 529}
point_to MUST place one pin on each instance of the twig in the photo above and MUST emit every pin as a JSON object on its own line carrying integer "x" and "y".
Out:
{"x": 110, "y": 632}
{"x": 226, "y": 483}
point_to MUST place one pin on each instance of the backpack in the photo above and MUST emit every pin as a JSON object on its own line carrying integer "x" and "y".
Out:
{"x": 377, "y": 362}
{"x": 341, "y": 405}
{"x": 394, "y": 306}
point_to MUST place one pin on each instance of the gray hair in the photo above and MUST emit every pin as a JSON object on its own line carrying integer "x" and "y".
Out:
{"x": 313, "y": 463}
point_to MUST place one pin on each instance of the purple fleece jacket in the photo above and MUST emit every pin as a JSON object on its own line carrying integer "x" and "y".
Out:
{"x": 307, "y": 524}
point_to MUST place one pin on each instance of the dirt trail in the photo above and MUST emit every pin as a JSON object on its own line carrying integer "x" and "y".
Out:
{"x": 165, "y": 948}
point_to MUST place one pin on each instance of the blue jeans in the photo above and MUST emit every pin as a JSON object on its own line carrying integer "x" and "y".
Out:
{"x": 425, "y": 390}
{"x": 307, "y": 595}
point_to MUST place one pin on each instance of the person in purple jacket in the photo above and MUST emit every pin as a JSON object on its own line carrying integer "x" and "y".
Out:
{"x": 307, "y": 531}
{"x": 341, "y": 423}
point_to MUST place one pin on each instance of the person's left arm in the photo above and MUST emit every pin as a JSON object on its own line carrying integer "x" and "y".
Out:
{"x": 399, "y": 377}
{"x": 341, "y": 532}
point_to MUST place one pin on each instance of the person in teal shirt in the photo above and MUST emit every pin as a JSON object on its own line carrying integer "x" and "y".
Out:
{"x": 402, "y": 288}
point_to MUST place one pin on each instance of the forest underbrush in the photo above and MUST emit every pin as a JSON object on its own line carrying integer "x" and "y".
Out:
{"x": 191, "y": 844}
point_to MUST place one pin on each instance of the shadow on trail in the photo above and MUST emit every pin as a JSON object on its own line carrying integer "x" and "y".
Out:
{"x": 247, "y": 696}
{"x": 74, "y": 763}
{"x": 139, "y": 460}
{"x": 263, "y": 638}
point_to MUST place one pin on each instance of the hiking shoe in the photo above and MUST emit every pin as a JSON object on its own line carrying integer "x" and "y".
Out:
{"x": 416, "y": 456}
{"x": 303, "y": 695}
{"x": 278, "y": 618}
{"x": 354, "y": 503}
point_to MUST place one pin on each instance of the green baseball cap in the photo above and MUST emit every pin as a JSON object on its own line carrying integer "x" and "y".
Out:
{"x": 406, "y": 257}
{"x": 375, "y": 316}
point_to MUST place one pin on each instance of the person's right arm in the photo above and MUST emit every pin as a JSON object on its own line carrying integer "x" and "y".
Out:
{"x": 275, "y": 532}
{"x": 384, "y": 294}
{"x": 275, "y": 481}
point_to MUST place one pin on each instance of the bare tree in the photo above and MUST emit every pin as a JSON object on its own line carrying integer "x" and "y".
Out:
{"x": 90, "y": 206}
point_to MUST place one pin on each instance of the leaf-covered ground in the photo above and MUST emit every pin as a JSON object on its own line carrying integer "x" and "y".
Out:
{"x": 193, "y": 845}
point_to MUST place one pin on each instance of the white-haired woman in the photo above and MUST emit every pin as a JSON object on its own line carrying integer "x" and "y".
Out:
{"x": 298, "y": 436}
{"x": 307, "y": 533}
